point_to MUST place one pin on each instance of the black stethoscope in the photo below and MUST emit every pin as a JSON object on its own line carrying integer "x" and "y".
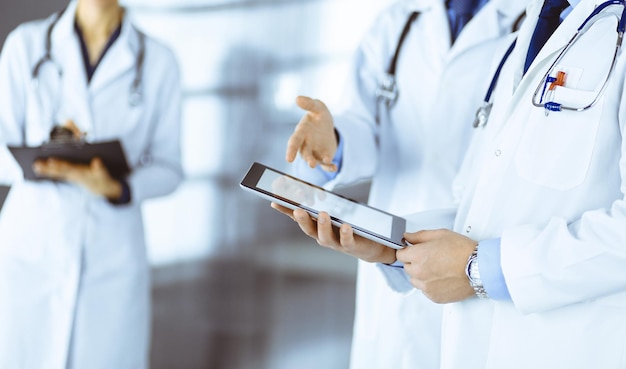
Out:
{"x": 482, "y": 115}
{"x": 387, "y": 91}
{"x": 135, "y": 96}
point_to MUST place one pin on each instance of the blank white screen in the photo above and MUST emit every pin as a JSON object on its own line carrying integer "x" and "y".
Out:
{"x": 336, "y": 206}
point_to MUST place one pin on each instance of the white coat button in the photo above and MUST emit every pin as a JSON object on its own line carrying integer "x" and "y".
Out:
{"x": 498, "y": 152}
{"x": 468, "y": 229}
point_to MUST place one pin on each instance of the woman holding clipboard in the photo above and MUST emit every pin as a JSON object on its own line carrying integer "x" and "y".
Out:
{"x": 74, "y": 278}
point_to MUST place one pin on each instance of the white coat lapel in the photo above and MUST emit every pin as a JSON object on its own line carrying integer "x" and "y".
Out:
{"x": 488, "y": 24}
{"x": 119, "y": 59}
{"x": 74, "y": 102}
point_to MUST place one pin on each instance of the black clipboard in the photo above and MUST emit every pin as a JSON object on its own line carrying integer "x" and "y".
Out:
{"x": 4, "y": 191}
{"x": 111, "y": 153}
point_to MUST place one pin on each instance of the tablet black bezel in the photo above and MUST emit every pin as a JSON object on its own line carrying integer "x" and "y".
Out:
{"x": 398, "y": 226}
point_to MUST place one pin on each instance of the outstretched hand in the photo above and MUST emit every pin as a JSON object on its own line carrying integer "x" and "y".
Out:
{"x": 314, "y": 136}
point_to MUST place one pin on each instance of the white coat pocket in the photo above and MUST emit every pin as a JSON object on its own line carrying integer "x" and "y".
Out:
{"x": 556, "y": 149}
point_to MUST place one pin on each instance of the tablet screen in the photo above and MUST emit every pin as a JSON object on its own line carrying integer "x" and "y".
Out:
{"x": 319, "y": 200}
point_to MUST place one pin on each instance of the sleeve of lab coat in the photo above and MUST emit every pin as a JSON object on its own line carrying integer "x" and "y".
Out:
{"x": 14, "y": 80}
{"x": 564, "y": 262}
{"x": 163, "y": 171}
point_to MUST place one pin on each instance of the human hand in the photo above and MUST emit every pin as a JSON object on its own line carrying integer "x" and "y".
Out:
{"x": 340, "y": 239}
{"x": 314, "y": 136}
{"x": 436, "y": 262}
{"x": 68, "y": 131}
{"x": 94, "y": 176}
{"x": 78, "y": 134}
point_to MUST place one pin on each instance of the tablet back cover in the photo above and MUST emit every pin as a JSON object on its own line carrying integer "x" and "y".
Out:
{"x": 4, "y": 191}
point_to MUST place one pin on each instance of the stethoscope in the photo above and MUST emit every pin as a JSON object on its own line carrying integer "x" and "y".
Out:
{"x": 387, "y": 91}
{"x": 483, "y": 112}
{"x": 135, "y": 96}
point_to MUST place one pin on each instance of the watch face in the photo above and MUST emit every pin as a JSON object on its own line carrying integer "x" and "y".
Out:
{"x": 474, "y": 274}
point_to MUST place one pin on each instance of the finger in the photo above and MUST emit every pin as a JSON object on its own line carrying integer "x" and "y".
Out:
{"x": 307, "y": 155}
{"x": 346, "y": 235}
{"x": 325, "y": 234}
{"x": 281, "y": 209}
{"x": 404, "y": 255}
{"x": 69, "y": 124}
{"x": 52, "y": 168}
{"x": 97, "y": 166}
{"x": 423, "y": 236}
{"x": 329, "y": 167}
{"x": 38, "y": 166}
{"x": 293, "y": 145}
{"x": 307, "y": 225}
{"x": 311, "y": 105}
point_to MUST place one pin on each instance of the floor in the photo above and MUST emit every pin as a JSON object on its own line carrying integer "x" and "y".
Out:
{"x": 291, "y": 308}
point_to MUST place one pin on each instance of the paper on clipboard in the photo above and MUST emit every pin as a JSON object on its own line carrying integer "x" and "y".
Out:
{"x": 111, "y": 153}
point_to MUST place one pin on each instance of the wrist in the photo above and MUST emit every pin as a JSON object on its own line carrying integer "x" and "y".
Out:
{"x": 473, "y": 275}
{"x": 113, "y": 190}
{"x": 120, "y": 194}
{"x": 386, "y": 256}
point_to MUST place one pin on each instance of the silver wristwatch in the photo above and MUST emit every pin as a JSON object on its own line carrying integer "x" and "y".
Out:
{"x": 473, "y": 274}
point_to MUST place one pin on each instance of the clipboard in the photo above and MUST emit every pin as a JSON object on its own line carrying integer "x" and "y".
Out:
{"x": 4, "y": 191}
{"x": 111, "y": 153}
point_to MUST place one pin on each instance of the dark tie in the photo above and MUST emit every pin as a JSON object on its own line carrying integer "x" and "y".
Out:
{"x": 549, "y": 20}
{"x": 463, "y": 11}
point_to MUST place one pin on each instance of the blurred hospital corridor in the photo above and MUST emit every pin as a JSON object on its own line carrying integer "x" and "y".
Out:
{"x": 235, "y": 284}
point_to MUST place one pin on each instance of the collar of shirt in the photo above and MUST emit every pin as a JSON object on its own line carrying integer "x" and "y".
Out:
{"x": 91, "y": 69}
{"x": 572, "y": 5}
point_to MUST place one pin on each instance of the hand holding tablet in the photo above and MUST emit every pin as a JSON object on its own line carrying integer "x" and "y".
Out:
{"x": 294, "y": 193}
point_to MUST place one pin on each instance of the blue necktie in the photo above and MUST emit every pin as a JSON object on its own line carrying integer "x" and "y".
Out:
{"x": 463, "y": 12}
{"x": 549, "y": 20}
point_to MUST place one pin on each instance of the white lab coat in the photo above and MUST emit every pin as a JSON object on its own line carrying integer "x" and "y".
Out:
{"x": 422, "y": 145}
{"x": 74, "y": 278}
{"x": 552, "y": 187}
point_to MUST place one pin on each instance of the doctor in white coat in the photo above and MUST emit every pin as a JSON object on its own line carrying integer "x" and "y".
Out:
{"x": 543, "y": 196}
{"x": 74, "y": 278}
{"x": 411, "y": 153}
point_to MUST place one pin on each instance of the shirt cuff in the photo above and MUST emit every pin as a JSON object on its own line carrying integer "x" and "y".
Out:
{"x": 491, "y": 270}
{"x": 396, "y": 264}
{"x": 125, "y": 196}
{"x": 337, "y": 160}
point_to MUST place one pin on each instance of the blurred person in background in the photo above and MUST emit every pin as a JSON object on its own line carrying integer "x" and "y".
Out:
{"x": 409, "y": 139}
{"x": 74, "y": 277}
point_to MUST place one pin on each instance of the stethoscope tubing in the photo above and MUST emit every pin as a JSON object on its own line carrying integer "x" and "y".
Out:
{"x": 482, "y": 114}
{"x": 135, "y": 91}
{"x": 554, "y": 106}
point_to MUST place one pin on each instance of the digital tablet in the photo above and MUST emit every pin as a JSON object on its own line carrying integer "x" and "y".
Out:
{"x": 293, "y": 193}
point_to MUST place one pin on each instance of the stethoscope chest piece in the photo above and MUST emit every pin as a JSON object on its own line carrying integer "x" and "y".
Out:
{"x": 134, "y": 99}
{"x": 388, "y": 90}
{"x": 482, "y": 114}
